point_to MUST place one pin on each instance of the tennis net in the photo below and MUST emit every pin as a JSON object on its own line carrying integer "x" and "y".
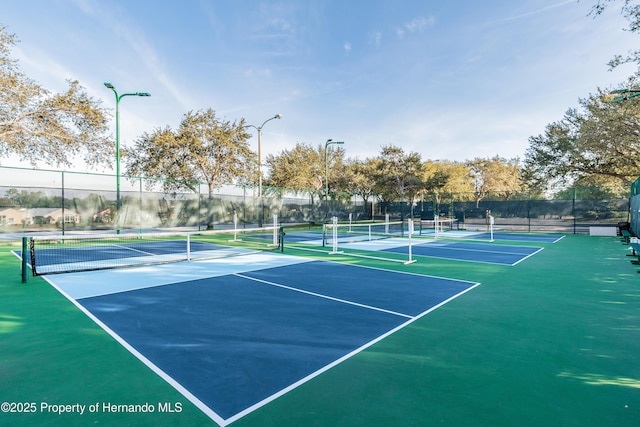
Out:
{"x": 65, "y": 254}
{"x": 436, "y": 225}
{"x": 350, "y": 233}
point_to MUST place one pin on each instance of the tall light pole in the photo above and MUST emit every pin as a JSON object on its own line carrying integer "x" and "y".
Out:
{"x": 259, "y": 129}
{"x": 118, "y": 98}
{"x": 326, "y": 167}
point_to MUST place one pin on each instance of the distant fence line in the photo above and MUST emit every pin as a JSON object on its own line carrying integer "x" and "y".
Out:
{"x": 36, "y": 199}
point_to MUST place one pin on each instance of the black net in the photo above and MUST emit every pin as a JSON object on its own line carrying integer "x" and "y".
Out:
{"x": 64, "y": 254}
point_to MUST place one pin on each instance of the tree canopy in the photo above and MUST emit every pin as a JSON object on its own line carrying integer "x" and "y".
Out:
{"x": 599, "y": 139}
{"x": 203, "y": 149}
{"x": 37, "y": 125}
{"x": 398, "y": 173}
{"x": 303, "y": 168}
{"x": 631, "y": 11}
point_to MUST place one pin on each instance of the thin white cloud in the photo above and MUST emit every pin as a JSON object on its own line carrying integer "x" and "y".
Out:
{"x": 56, "y": 73}
{"x": 144, "y": 50}
{"x": 347, "y": 47}
{"x": 415, "y": 26}
{"x": 419, "y": 24}
{"x": 375, "y": 38}
{"x": 535, "y": 12}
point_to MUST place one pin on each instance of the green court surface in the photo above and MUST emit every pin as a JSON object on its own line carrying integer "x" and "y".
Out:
{"x": 552, "y": 341}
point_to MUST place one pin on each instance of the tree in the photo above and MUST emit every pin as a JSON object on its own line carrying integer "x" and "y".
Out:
{"x": 434, "y": 178}
{"x": 459, "y": 180}
{"x": 303, "y": 168}
{"x": 601, "y": 138}
{"x": 203, "y": 149}
{"x": 495, "y": 175}
{"x": 398, "y": 174}
{"x": 631, "y": 11}
{"x": 359, "y": 178}
{"x": 37, "y": 125}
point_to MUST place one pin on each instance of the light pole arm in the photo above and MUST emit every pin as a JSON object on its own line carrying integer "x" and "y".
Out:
{"x": 259, "y": 129}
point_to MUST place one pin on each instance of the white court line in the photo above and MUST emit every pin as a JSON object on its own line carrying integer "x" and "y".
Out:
{"x": 445, "y": 246}
{"x": 340, "y": 360}
{"x": 168, "y": 378}
{"x": 88, "y": 284}
{"x": 161, "y": 271}
{"x": 518, "y": 262}
{"x": 279, "y": 285}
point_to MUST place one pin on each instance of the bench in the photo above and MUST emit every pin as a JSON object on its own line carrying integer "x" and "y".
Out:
{"x": 635, "y": 249}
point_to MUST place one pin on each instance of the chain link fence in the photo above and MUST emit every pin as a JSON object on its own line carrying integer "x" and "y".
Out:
{"x": 36, "y": 200}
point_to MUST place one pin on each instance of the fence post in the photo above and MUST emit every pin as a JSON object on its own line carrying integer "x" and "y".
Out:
{"x": 24, "y": 254}
{"x": 140, "y": 207}
{"x": 573, "y": 210}
{"x": 529, "y": 209}
{"x": 62, "y": 191}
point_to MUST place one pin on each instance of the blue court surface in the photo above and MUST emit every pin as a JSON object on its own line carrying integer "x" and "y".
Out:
{"x": 520, "y": 237}
{"x": 234, "y": 334}
{"x": 489, "y": 253}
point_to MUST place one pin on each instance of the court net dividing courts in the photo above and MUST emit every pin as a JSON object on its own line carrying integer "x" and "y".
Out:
{"x": 401, "y": 242}
{"x": 65, "y": 254}
{"x": 367, "y": 231}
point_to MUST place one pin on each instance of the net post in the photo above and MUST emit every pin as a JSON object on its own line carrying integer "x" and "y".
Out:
{"x": 324, "y": 235}
{"x": 281, "y": 238}
{"x": 25, "y": 252}
{"x": 335, "y": 236}
{"x": 275, "y": 230}
{"x": 386, "y": 223}
{"x": 188, "y": 246}
{"x": 491, "y": 222}
{"x": 410, "y": 230}
{"x": 235, "y": 226}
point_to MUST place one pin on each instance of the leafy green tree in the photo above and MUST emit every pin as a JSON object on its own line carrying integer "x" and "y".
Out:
{"x": 459, "y": 181}
{"x": 39, "y": 126}
{"x": 434, "y": 178}
{"x": 203, "y": 149}
{"x": 302, "y": 168}
{"x": 299, "y": 168}
{"x": 445, "y": 182}
{"x": 631, "y": 11}
{"x": 496, "y": 175}
{"x": 359, "y": 178}
{"x": 600, "y": 139}
{"x": 399, "y": 175}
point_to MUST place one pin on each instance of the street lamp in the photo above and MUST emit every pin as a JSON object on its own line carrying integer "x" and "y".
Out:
{"x": 326, "y": 167}
{"x": 118, "y": 98}
{"x": 259, "y": 129}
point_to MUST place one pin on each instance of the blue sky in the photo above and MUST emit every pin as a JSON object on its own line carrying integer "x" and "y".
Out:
{"x": 450, "y": 80}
